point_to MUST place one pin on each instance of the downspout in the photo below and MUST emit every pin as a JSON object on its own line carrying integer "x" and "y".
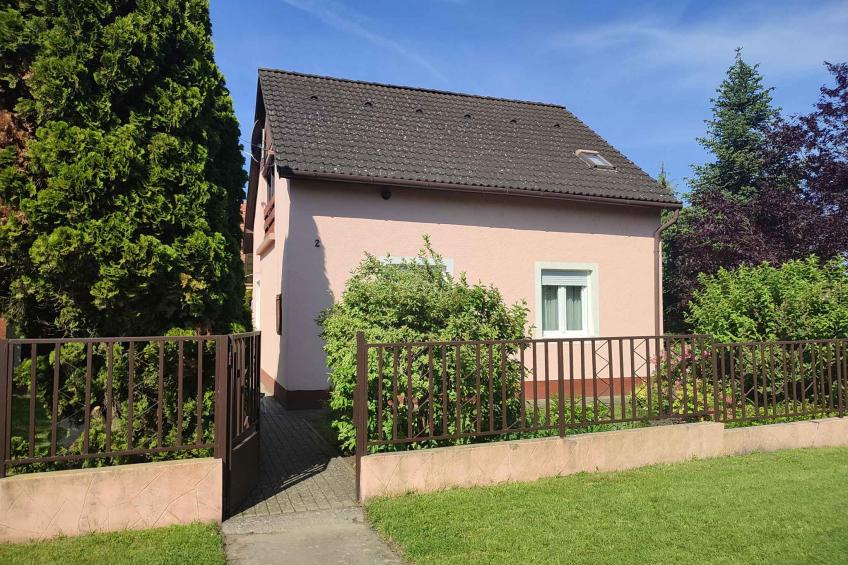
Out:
{"x": 658, "y": 305}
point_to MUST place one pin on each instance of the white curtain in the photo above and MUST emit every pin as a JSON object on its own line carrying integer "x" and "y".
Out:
{"x": 574, "y": 308}
{"x": 550, "y": 308}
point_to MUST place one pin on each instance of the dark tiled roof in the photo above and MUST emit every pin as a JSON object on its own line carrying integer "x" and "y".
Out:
{"x": 329, "y": 126}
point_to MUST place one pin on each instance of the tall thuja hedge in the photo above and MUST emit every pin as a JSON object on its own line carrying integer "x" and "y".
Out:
{"x": 121, "y": 170}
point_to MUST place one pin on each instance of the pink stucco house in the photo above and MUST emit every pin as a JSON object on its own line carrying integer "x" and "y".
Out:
{"x": 519, "y": 194}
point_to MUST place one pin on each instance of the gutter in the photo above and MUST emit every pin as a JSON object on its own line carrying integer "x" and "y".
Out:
{"x": 658, "y": 304}
{"x": 308, "y": 175}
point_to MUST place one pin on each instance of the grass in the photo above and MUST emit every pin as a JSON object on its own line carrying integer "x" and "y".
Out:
{"x": 20, "y": 421}
{"x": 196, "y": 543}
{"x": 782, "y": 507}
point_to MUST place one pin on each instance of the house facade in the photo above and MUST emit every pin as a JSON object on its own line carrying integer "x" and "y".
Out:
{"x": 518, "y": 194}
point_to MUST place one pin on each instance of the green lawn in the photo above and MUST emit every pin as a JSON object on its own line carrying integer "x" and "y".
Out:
{"x": 20, "y": 422}
{"x": 197, "y": 543}
{"x": 783, "y": 507}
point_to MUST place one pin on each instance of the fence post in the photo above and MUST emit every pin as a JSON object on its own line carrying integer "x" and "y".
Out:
{"x": 714, "y": 356}
{"x": 222, "y": 350}
{"x": 841, "y": 377}
{"x": 5, "y": 391}
{"x": 257, "y": 369}
{"x": 360, "y": 406}
{"x": 561, "y": 389}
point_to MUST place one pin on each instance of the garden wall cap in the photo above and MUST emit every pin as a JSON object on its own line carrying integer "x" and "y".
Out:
{"x": 323, "y": 126}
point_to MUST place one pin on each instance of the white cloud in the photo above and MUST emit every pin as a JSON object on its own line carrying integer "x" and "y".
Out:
{"x": 349, "y": 21}
{"x": 783, "y": 41}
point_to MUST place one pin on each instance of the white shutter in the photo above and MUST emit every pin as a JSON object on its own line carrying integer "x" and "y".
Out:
{"x": 565, "y": 278}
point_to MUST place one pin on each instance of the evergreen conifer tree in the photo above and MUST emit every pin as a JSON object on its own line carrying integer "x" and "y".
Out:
{"x": 121, "y": 172}
{"x": 742, "y": 110}
{"x": 742, "y": 115}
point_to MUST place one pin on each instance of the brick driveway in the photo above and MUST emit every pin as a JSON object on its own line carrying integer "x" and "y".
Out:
{"x": 299, "y": 471}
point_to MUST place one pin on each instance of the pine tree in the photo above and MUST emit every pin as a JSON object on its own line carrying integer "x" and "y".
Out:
{"x": 742, "y": 114}
{"x": 742, "y": 110}
{"x": 663, "y": 180}
{"x": 120, "y": 174}
{"x": 797, "y": 207}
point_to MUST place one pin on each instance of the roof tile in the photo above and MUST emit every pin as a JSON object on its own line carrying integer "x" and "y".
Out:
{"x": 323, "y": 125}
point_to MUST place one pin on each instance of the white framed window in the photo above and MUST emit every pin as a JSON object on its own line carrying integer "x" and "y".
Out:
{"x": 566, "y": 300}
{"x": 392, "y": 260}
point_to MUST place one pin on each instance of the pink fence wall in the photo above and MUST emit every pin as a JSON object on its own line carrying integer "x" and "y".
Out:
{"x": 145, "y": 495}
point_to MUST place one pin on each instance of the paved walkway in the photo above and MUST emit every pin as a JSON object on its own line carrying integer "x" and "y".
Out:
{"x": 299, "y": 471}
{"x": 305, "y": 538}
{"x": 304, "y": 509}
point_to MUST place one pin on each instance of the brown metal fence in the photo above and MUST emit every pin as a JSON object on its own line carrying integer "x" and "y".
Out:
{"x": 94, "y": 401}
{"x": 412, "y": 395}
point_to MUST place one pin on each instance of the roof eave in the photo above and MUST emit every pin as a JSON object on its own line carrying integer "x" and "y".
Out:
{"x": 454, "y": 187}
{"x": 253, "y": 176}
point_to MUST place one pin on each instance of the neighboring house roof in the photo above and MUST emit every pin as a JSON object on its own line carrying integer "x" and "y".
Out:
{"x": 338, "y": 128}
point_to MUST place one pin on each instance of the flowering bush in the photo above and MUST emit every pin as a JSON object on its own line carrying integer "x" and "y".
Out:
{"x": 749, "y": 380}
{"x": 682, "y": 385}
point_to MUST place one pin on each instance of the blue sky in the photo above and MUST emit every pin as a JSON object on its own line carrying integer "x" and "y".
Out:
{"x": 641, "y": 74}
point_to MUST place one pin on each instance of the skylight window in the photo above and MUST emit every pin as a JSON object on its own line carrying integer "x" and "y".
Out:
{"x": 594, "y": 159}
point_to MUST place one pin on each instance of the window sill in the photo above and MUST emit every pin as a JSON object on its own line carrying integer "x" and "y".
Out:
{"x": 565, "y": 335}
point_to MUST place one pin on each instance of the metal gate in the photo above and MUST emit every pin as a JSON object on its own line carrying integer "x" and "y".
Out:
{"x": 237, "y": 415}
{"x": 181, "y": 361}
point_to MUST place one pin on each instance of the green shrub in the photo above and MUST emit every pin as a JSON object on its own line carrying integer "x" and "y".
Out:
{"x": 586, "y": 420}
{"x": 796, "y": 300}
{"x": 417, "y": 301}
{"x": 799, "y": 300}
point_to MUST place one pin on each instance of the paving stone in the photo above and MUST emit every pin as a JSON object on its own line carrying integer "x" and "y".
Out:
{"x": 327, "y": 536}
{"x": 304, "y": 508}
{"x": 299, "y": 471}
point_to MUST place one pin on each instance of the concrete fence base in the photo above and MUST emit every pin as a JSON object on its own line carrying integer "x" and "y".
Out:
{"x": 428, "y": 470}
{"x": 146, "y": 495}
